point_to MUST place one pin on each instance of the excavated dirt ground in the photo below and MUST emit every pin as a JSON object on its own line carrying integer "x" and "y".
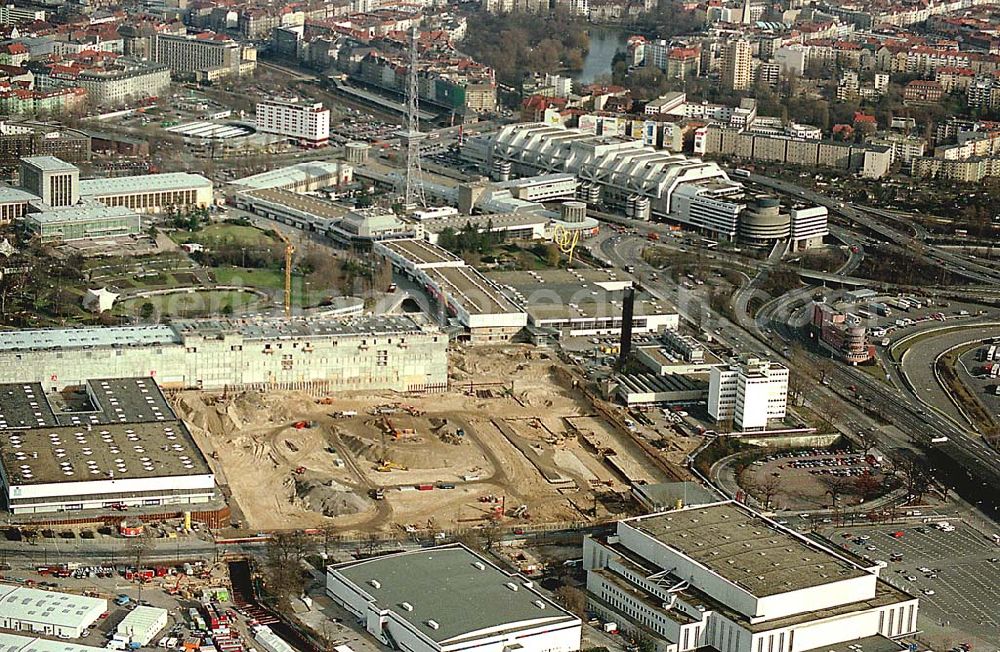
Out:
{"x": 516, "y": 446}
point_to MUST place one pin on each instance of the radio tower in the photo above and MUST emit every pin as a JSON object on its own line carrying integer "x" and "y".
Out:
{"x": 411, "y": 136}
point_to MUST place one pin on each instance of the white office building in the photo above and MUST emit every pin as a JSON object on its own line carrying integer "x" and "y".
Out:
{"x": 721, "y": 576}
{"x": 751, "y": 392}
{"x": 307, "y": 123}
{"x": 809, "y": 226}
{"x": 448, "y": 598}
{"x": 48, "y": 612}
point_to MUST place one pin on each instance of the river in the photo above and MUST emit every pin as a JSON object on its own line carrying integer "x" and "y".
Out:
{"x": 604, "y": 42}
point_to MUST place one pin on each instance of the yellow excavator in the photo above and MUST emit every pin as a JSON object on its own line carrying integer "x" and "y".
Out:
{"x": 386, "y": 465}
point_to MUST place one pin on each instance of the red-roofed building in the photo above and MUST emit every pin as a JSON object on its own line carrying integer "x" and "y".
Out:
{"x": 954, "y": 79}
{"x": 922, "y": 91}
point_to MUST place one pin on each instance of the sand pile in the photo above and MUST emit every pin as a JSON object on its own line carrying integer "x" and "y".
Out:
{"x": 329, "y": 498}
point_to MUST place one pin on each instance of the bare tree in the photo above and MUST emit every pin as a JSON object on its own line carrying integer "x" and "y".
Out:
{"x": 868, "y": 439}
{"x": 916, "y": 477}
{"x": 573, "y": 598}
{"x": 836, "y": 487}
{"x": 283, "y": 572}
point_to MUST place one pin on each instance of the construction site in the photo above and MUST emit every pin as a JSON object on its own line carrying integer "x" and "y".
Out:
{"x": 512, "y": 441}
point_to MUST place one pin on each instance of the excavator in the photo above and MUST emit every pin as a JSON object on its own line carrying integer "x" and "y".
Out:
{"x": 385, "y": 465}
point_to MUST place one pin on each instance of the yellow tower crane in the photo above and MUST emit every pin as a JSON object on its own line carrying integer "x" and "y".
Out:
{"x": 289, "y": 250}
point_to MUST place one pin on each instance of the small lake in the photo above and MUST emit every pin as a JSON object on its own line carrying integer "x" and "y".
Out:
{"x": 604, "y": 43}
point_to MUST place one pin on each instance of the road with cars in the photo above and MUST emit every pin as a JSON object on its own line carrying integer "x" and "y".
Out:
{"x": 954, "y": 262}
{"x": 872, "y": 396}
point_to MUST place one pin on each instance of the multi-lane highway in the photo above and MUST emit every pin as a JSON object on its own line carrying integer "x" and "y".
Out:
{"x": 953, "y": 262}
{"x": 779, "y": 316}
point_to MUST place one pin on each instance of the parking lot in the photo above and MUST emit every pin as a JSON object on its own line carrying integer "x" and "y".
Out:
{"x": 956, "y": 574}
{"x": 810, "y": 477}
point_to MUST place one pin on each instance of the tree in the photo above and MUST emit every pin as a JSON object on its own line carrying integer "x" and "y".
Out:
{"x": 147, "y": 310}
{"x": 552, "y": 254}
{"x": 868, "y": 439}
{"x": 916, "y": 478}
{"x": 867, "y": 486}
{"x": 574, "y": 599}
{"x": 836, "y": 487}
{"x": 282, "y": 570}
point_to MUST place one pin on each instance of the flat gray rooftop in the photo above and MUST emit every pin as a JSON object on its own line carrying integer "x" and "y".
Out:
{"x": 15, "y": 195}
{"x": 23, "y": 405}
{"x": 744, "y": 548}
{"x": 575, "y": 293}
{"x": 80, "y": 214}
{"x": 471, "y": 289}
{"x": 291, "y": 175}
{"x": 497, "y": 220}
{"x": 55, "y": 338}
{"x": 320, "y": 327}
{"x": 49, "y": 163}
{"x": 146, "y": 183}
{"x": 101, "y": 401}
{"x": 445, "y": 585}
{"x": 305, "y": 204}
{"x": 146, "y": 336}
{"x": 106, "y": 452}
{"x": 420, "y": 252}
{"x": 644, "y": 383}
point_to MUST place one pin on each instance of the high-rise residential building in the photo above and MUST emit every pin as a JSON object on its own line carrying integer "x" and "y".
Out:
{"x": 308, "y": 123}
{"x": 737, "y": 66}
{"x": 750, "y": 392}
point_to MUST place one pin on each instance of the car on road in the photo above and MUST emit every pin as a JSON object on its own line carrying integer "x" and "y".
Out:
{"x": 911, "y": 578}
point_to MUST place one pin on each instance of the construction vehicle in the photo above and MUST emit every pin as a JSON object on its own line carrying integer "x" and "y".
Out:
{"x": 177, "y": 585}
{"x": 377, "y": 494}
{"x": 386, "y": 466}
{"x": 299, "y": 470}
{"x": 324, "y": 401}
{"x": 289, "y": 250}
{"x": 302, "y": 425}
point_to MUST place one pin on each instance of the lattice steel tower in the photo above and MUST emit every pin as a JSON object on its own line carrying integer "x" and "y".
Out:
{"x": 410, "y": 135}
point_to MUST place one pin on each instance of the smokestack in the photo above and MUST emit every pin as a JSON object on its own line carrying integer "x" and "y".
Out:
{"x": 625, "y": 343}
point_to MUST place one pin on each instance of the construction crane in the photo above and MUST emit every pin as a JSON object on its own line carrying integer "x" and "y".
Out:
{"x": 289, "y": 250}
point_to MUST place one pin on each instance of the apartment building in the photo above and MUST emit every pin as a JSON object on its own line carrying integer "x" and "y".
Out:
{"x": 204, "y": 55}
{"x": 307, "y": 123}
{"x": 750, "y": 391}
{"x": 737, "y": 66}
{"x": 108, "y": 79}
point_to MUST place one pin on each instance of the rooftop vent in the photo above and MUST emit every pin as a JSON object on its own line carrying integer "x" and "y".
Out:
{"x": 375, "y": 584}
{"x": 539, "y": 604}
{"x": 406, "y": 606}
{"x": 480, "y": 565}
{"x": 433, "y": 624}
{"x": 511, "y": 586}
